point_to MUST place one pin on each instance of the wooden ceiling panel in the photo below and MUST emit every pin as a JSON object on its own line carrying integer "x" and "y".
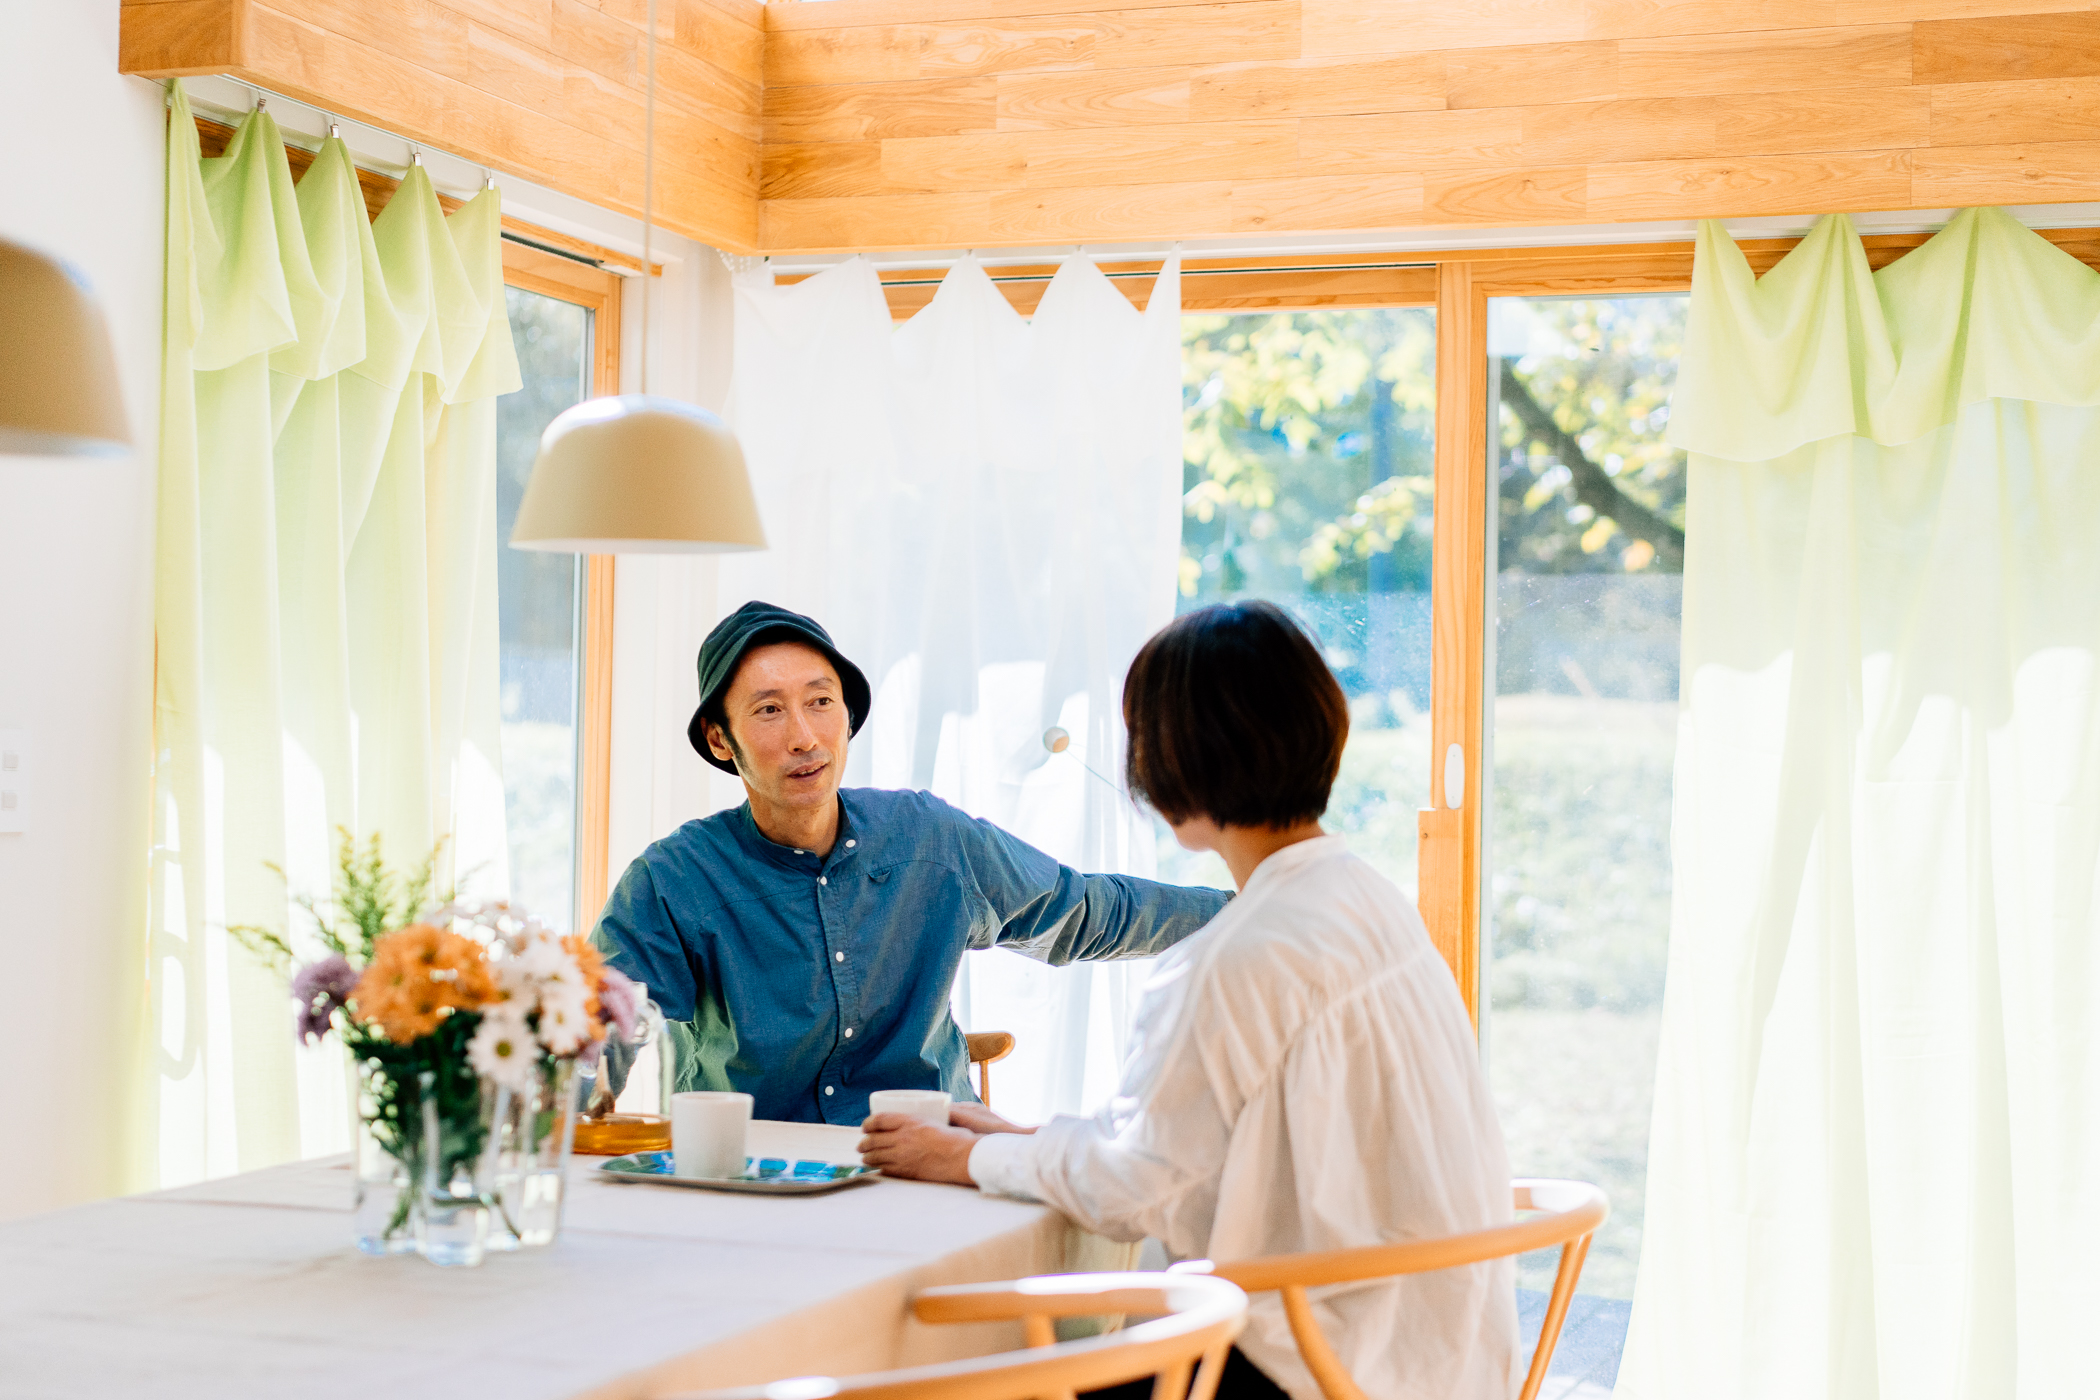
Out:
{"x": 874, "y": 124}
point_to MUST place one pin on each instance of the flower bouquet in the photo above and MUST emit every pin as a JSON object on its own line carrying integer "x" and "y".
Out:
{"x": 464, "y": 1023}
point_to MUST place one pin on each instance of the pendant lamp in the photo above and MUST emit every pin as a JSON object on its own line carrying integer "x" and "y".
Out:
{"x": 58, "y": 375}
{"x": 633, "y": 473}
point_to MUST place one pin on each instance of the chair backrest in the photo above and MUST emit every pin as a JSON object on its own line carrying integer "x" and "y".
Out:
{"x": 1565, "y": 1213}
{"x": 1184, "y": 1344}
{"x": 985, "y": 1048}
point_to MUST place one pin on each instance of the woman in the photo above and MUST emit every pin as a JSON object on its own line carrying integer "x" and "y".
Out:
{"x": 1303, "y": 1075}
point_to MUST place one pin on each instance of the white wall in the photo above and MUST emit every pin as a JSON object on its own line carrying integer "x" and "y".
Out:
{"x": 81, "y": 176}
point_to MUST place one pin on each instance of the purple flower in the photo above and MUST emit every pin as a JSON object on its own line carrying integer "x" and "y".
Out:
{"x": 618, "y": 999}
{"x": 318, "y": 989}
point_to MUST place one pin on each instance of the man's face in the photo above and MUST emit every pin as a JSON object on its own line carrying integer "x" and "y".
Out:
{"x": 788, "y": 725}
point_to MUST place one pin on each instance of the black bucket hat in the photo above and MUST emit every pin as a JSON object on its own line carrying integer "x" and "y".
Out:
{"x": 759, "y": 624}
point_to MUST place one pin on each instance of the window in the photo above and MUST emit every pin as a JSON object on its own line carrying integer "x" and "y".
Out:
{"x": 1587, "y": 560}
{"x": 1309, "y": 446}
{"x": 555, "y": 609}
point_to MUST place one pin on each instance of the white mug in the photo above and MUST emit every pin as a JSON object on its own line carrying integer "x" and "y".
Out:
{"x": 707, "y": 1133}
{"x": 926, "y": 1105}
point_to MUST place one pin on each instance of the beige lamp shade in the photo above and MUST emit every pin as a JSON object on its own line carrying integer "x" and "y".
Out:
{"x": 58, "y": 375}
{"x": 638, "y": 475}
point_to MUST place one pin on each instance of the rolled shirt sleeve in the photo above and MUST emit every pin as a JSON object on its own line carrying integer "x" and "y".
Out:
{"x": 1051, "y": 912}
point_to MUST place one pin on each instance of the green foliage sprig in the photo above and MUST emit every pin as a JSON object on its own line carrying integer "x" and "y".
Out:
{"x": 369, "y": 901}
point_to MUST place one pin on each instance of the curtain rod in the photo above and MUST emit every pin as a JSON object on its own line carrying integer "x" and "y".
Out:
{"x": 1154, "y": 272}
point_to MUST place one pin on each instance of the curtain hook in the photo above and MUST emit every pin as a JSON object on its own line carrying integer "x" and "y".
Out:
{"x": 415, "y": 154}
{"x": 488, "y": 181}
{"x": 261, "y": 100}
{"x": 335, "y": 129}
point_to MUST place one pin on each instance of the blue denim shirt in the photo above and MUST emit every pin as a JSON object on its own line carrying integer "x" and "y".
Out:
{"x": 809, "y": 983}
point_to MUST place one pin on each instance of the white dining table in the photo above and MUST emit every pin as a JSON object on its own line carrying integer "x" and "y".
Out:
{"x": 250, "y": 1286}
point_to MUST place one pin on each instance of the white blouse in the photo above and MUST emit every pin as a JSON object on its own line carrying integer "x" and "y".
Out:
{"x": 1303, "y": 1077}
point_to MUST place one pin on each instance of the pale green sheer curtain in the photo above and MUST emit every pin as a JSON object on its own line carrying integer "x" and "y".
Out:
{"x": 325, "y": 605}
{"x": 1874, "y": 1170}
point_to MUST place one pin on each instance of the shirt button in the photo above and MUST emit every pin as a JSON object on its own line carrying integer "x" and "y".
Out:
{"x": 838, "y": 957}
{"x": 849, "y": 1032}
{"x": 827, "y": 1091}
{"x": 823, "y": 879}
{"x": 851, "y": 844}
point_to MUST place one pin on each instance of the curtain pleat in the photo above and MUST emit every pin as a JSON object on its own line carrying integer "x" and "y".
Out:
{"x": 1872, "y": 1171}
{"x": 324, "y": 605}
{"x": 985, "y": 511}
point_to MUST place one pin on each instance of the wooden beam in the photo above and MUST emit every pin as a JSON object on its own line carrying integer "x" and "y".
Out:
{"x": 551, "y": 91}
{"x": 181, "y": 38}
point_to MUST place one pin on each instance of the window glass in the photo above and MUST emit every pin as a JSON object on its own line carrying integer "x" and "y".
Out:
{"x": 1308, "y": 447}
{"x": 1588, "y": 557}
{"x": 538, "y": 600}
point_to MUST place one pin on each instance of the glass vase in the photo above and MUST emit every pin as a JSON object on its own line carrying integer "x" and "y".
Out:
{"x": 525, "y": 1172}
{"x": 383, "y": 1209}
{"x": 452, "y": 1226}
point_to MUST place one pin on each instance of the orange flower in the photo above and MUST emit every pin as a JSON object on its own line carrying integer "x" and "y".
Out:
{"x": 418, "y": 976}
{"x": 592, "y": 965}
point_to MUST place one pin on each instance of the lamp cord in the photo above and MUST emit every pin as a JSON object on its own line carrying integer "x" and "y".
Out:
{"x": 648, "y": 188}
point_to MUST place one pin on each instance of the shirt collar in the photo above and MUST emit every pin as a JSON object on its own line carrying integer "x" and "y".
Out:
{"x": 1294, "y": 857}
{"x": 756, "y": 842}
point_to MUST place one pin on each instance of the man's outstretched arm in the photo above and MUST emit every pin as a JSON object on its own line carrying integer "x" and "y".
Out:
{"x": 1052, "y": 912}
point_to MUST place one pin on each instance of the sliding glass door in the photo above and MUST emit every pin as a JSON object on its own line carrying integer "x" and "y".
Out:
{"x": 1585, "y": 562}
{"x": 1308, "y": 480}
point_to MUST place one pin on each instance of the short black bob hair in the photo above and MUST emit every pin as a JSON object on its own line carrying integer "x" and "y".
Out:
{"x": 1233, "y": 715}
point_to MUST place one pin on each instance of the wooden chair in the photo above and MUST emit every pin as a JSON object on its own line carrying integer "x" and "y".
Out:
{"x": 986, "y": 1048}
{"x": 1567, "y": 1213}
{"x": 1194, "y": 1321}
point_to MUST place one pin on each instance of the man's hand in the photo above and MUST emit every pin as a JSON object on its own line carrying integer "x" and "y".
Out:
{"x": 905, "y": 1146}
{"x": 979, "y": 1119}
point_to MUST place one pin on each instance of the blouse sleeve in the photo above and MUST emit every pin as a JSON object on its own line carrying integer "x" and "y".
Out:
{"x": 1126, "y": 1171}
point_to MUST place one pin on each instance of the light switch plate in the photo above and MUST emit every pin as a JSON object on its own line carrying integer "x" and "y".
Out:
{"x": 15, "y": 769}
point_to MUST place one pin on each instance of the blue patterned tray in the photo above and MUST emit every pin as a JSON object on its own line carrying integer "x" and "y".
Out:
{"x": 763, "y": 1176}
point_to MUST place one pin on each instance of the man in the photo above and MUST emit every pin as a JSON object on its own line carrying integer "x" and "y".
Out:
{"x": 803, "y": 945}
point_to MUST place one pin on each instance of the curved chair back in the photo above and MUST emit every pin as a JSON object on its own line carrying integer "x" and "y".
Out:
{"x": 986, "y": 1049}
{"x": 1184, "y": 1345}
{"x": 1565, "y": 1213}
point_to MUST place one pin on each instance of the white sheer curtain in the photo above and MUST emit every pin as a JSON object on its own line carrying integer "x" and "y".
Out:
{"x": 1874, "y": 1170}
{"x": 985, "y": 511}
{"x": 325, "y": 602}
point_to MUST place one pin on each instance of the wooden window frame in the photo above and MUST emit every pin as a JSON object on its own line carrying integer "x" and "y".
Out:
{"x": 1459, "y": 283}
{"x": 597, "y": 291}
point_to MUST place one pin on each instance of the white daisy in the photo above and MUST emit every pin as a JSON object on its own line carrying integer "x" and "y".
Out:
{"x": 565, "y": 1023}
{"x": 541, "y": 957}
{"x": 504, "y": 1051}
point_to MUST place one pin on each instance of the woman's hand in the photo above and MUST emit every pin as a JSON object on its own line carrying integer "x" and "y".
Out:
{"x": 979, "y": 1119}
{"x": 909, "y": 1147}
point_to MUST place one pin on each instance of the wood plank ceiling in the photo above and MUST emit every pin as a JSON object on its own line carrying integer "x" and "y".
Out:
{"x": 942, "y": 123}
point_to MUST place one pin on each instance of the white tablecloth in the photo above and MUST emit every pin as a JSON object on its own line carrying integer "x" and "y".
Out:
{"x": 249, "y": 1286}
